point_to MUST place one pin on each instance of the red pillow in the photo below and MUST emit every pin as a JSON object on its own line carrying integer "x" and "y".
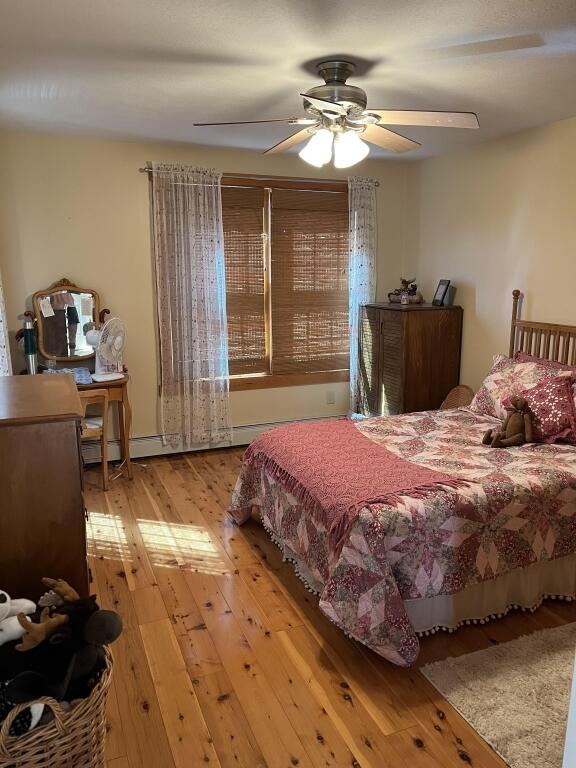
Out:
{"x": 551, "y": 404}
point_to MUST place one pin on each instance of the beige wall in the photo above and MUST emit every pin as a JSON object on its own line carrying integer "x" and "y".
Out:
{"x": 494, "y": 218}
{"x": 78, "y": 207}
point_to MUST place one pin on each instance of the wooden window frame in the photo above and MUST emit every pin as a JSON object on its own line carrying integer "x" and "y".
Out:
{"x": 267, "y": 380}
{"x": 251, "y": 381}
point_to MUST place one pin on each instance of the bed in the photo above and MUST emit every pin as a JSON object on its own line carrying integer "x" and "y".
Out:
{"x": 407, "y": 524}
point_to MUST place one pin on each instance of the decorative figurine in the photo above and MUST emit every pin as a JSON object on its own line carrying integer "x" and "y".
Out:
{"x": 408, "y": 293}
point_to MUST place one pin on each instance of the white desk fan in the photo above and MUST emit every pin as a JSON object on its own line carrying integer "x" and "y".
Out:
{"x": 108, "y": 343}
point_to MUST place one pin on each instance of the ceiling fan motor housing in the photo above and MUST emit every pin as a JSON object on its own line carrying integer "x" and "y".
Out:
{"x": 335, "y": 73}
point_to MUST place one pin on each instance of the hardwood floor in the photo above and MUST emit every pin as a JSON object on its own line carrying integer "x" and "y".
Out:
{"x": 226, "y": 660}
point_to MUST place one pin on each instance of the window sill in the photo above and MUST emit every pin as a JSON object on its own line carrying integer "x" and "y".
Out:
{"x": 265, "y": 381}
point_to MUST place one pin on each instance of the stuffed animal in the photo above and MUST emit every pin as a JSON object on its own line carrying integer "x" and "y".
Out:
{"x": 61, "y": 651}
{"x": 10, "y": 631}
{"x": 10, "y": 628}
{"x": 517, "y": 427}
{"x": 27, "y": 719}
{"x": 37, "y": 632}
{"x": 59, "y": 592}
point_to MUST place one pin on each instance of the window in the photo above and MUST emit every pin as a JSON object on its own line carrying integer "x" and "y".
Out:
{"x": 286, "y": 254}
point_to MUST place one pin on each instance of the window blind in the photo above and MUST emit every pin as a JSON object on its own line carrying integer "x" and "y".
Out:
{"x": 309, "y": 281}
{"x": 243, "y": 221}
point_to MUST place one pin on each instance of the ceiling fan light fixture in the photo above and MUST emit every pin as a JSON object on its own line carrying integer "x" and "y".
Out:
{"x": 318, "y": 150}
{"x": 349, "y": 149}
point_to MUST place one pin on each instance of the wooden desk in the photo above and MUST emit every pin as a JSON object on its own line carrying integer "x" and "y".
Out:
{"x": 42, "y": 530}
{"x": 118, "y": 393}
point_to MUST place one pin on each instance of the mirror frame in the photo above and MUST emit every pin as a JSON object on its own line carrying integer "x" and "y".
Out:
{"x": 64, "y": 284}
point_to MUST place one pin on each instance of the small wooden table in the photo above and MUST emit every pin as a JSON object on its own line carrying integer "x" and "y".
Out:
{"x": 118, "y": 393}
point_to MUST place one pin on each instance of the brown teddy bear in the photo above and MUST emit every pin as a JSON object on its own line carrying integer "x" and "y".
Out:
{"x": 517, "y": 427}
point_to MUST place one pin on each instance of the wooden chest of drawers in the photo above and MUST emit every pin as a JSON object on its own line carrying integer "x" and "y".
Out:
{"x": 42, "y": 523}
{"x": 409, "y": 357}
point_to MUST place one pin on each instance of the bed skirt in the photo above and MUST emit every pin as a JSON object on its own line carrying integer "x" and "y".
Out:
{"x": 524, "y": 588}
{"x": 521, "y": 588}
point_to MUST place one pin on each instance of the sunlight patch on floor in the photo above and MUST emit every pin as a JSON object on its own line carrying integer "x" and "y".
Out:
{"x": 106, "y": 537}
{"x": 187, "y": 546}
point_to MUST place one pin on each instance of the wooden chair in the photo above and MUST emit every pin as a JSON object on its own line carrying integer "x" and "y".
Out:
{"x": 458, "y": 397}
{"x": 92, "y": 429}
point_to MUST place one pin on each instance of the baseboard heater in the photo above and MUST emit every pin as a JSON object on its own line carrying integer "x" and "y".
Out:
{"x": 152, "y": 445}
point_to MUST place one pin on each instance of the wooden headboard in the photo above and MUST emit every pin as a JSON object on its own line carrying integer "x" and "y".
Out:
{"x": 547, "y": 340}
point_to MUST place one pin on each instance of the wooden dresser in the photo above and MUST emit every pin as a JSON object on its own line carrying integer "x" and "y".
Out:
{"x": 409, "y": 356}
{"x": 42, "y": 522}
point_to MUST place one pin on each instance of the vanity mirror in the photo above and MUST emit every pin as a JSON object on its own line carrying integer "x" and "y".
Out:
{"x": 64, "y": 314}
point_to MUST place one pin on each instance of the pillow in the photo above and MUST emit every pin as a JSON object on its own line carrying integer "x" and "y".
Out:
{"x": 483, "y": 401}
{"x": 510, "y": 377}
{"x": 552, "y": 408}
{"x": 554, "y": 368}
{"x": 524, "y": 357}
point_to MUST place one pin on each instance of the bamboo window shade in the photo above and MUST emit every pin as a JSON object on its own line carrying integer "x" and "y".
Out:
{"x": 243, "y": 217}
{"x": 309, "y": 281}
{"x": 292, "y": 318}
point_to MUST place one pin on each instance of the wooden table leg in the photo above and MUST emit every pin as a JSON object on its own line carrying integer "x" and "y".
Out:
{"x": 125, "y": 422}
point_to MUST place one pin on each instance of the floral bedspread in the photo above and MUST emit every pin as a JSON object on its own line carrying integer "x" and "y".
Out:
{"x": 517, "y": 507}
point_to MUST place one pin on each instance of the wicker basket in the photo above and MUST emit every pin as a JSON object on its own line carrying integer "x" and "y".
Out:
{"x": 74, "y": 739}
{"x": 459, "y": 397}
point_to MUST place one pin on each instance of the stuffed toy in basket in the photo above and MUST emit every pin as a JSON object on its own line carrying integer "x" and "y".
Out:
{"x": 53, "y": 682}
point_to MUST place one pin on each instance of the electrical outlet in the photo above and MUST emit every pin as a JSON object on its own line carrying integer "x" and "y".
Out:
{"x": 330, "y": 397}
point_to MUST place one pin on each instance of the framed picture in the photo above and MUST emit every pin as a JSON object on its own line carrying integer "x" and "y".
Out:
{"x": 440, "y": 293}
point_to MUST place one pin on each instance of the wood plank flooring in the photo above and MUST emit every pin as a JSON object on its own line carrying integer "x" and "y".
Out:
{"x": 225, "y": 659}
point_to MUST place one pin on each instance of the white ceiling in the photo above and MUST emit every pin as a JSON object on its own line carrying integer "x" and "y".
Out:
{"x": 150, "y": 68}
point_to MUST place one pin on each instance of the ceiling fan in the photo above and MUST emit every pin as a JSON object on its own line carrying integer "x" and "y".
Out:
{"x": 339, "y": 122}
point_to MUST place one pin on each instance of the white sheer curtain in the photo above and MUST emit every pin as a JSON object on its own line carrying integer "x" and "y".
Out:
{"x": 362, "y": 276}
{"x": 191, "y": 295}
{"x": 5, "y": 364}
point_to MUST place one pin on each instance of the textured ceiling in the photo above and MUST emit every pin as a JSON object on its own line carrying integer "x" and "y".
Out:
{"x": 150, "y": 68}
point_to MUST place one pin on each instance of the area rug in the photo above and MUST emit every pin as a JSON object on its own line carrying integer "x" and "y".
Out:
{"x": 515, "y": 695}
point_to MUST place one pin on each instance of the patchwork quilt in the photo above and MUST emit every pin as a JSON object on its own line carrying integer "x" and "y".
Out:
{"x": 458, "y": 513}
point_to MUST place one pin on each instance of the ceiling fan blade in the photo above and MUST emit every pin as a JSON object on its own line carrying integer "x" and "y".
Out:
{"x": 483, "y": 47}
{"x": 423, "y": 118}
{"x": 291, "y": 141}
{"x": 295, "y": 120}
{"x": 383, "y": 137}
{"x": 324, "y": 105}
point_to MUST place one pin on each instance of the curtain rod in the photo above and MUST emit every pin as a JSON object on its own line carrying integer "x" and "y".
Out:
{"x": 149, "y": 169}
